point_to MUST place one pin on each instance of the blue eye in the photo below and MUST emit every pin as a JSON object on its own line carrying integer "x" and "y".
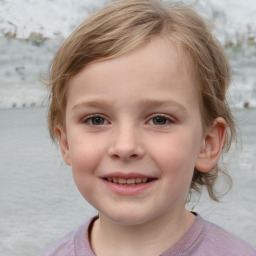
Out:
{"x": 96, "y": 120}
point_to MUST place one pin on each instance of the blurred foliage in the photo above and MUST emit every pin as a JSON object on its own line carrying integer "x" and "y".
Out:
{"x": 235, "y": 51}
{"x": 36, "y": 38}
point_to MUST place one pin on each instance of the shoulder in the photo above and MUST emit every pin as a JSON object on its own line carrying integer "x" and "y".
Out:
{"x": 219, "y": 241}
{"x": 62, "y": 247}
{"x": 73, "y": 244}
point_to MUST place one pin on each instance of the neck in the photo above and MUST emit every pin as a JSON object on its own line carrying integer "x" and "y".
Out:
{"x": 150, "y": 238}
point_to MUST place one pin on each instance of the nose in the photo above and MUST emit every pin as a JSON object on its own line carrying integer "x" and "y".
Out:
{"x": 126, "y": 144}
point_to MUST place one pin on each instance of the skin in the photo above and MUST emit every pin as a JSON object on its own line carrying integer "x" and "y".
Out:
{"x": 135, "y": 115}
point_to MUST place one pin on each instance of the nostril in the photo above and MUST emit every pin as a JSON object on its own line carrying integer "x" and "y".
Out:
{"x": 125, "y": 152}
{"x": 131, "y": 156}
{"x": 115, "y": 156}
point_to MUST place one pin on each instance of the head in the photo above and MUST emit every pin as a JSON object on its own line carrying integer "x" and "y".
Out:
{"x": 126, "y": 25}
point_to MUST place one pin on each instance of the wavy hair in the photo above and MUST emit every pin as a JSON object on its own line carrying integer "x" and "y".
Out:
{"x": 124, "y": 25}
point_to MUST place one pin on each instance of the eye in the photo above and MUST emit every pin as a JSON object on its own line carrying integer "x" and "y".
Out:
{"x": 96, "y": 120}
{"x": 160, "y": 120}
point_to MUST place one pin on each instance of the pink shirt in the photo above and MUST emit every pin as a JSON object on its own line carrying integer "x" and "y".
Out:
{"x": 203, "y": 238}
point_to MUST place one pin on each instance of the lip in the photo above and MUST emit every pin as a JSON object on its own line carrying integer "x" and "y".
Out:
{"x": 128, "y": 190}
{"x": 127, "y": 175}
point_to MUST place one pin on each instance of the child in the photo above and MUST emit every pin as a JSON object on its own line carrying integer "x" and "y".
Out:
{"x": 139, "y": 110}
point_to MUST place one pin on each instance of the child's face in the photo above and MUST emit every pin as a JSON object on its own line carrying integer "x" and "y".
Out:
{"x": 133, "y": 119}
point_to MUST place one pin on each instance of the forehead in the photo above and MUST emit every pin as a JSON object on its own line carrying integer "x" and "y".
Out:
{"x": 148, "y": 66}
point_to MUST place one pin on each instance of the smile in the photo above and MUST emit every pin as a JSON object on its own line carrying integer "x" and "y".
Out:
{"x": 128, "y": 182}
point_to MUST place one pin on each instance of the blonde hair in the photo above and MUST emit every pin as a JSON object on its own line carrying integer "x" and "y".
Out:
{"x": 124, "y": 25}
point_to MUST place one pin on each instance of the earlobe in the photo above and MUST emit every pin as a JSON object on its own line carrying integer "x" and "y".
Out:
{"x": 211, "y": 147}
{"x": 63, "y": 142}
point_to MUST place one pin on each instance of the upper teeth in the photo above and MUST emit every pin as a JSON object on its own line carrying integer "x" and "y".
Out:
{"x": 128, "y": 181}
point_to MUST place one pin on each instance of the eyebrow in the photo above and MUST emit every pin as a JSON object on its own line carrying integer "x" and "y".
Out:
{"x": 144, "y": 103}
{"x": 93, "y": 103}
{"x": 163, "y": 103}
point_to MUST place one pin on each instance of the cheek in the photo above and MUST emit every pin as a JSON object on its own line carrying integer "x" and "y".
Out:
{"x": 176, "y": 156}
{"x": 85, "y": 154}
{"x": 85, "y": 159}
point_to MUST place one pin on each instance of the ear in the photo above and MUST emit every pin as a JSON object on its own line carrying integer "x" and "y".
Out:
{"x": 63, "y": 142}
{"x": 211, "y": 147}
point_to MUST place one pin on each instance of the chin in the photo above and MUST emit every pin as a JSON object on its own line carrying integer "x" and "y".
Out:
{"x": 129, "y": 218}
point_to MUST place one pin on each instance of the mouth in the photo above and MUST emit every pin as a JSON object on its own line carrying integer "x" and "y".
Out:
{"x": 129, "y": 184}
{"x": 130, "y": 181}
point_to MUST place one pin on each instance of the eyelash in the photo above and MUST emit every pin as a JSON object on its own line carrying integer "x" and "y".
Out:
{"x": 167, "y": 120}
{"x": 89, "y": 120}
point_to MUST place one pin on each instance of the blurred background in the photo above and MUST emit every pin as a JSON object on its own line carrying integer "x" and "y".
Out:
{"x": 38, "y": 200}
{"x": 31, "y": 31}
